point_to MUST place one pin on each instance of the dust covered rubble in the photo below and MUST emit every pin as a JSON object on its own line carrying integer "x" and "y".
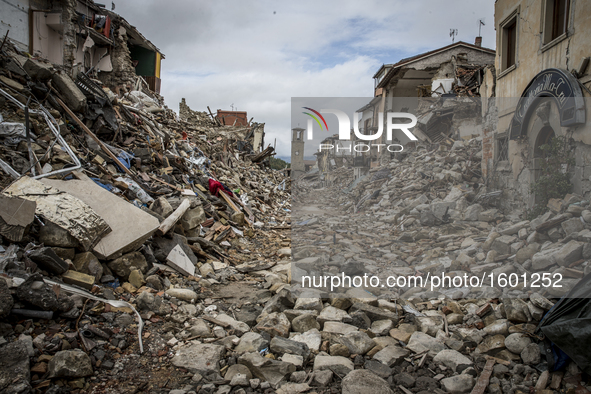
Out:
{"x": 428, "y": 213}
{"x": 215, "y": 289}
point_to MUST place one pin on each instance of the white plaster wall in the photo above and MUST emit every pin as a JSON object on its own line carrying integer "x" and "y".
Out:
{"x": 14, "y": 17}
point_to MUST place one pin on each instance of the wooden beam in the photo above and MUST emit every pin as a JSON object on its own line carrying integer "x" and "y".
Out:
{"x": 174, "y": 217}
{"x": 96, "y": 139}
{"x": 484, "y": 378}
{"x": 166, "y": 183}
{"x": 232, "y": 205}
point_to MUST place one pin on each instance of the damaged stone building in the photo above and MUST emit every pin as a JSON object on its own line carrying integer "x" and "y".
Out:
{"x": 542, "y": 83}
{"x": 82, "y": 36}
{"x": 422, "y": 85}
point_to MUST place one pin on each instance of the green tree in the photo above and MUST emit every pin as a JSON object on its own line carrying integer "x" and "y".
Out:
{"x": 278, "y": 164}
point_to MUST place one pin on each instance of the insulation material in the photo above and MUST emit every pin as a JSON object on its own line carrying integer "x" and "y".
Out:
{"x": 104, "y": 64}
{"x": 62, "y": 209}
{"x": 10, "y": 129}
{"x": 441, "y": 86}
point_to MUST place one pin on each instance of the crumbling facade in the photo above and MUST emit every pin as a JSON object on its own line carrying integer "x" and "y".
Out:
{"x": 188, "y": 115}
{"x": 82, "y": 36}
{"x": 456, "y": 70}
{"x": 542, "y": 86}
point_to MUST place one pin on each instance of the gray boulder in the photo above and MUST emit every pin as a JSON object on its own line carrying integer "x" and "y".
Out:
{"x": 362, "y": 381}
{"x": 70, "y": 364}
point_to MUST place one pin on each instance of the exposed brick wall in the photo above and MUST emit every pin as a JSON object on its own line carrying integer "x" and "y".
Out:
{"x": 123, "y": 73}
{"x": 69, "y": 33}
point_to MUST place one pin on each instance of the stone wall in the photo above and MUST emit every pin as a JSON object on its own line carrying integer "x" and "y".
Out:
{"x": 194, "y": 117}
{"x": 480, "y": 57}
{"x": 69, "y": 33}
{"x": 123, "y": 73}
{"x": 488, "y": 131}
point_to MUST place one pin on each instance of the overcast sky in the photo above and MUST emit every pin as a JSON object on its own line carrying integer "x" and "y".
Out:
{"x": 257, "y": 55}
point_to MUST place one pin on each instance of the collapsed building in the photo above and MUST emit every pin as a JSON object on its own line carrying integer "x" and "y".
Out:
{"x": 82, "y": 37}
{"x": 453, "y": 71}
{"x": 167, "y": 267}
{"x": 454, "y": 204}
{"x": 442, "y": 87}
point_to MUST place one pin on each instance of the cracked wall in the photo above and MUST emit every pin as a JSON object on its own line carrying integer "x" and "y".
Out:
{"x": 123, "y": 74}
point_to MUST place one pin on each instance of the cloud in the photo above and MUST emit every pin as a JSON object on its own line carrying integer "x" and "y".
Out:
{"x": 257, "y": 55}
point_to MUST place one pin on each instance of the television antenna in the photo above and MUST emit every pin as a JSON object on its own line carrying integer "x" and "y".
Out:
{"x": 480, "y": 24}
{"x": 453, "y": 33}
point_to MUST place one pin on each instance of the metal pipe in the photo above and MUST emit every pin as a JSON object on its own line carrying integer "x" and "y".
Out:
{"x": 32, "y": 159}
{"x": 9, "y": 170}
{"x": 52, "y": 123}
{"x": 48, "y": 315}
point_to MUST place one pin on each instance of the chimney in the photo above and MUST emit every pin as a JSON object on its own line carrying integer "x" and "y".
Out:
{"x": 478, "y": 41}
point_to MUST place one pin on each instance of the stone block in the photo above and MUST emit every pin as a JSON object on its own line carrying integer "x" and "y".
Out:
{"x": 78, "y": 279}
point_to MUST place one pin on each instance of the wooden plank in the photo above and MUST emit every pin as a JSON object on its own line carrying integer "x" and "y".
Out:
{"x": 229, "y": 201}
{"x": 556, "y": 380}
{"x": 214, "y": 321}
{"x": 233, "y": 206}
{"x": 547, "y": 225}
{"x": 96, "y": 139}
{"x": 404, "y": 389}
{"x": 499, "y": 361}
{"x": 542, "y": 381}
{"x": 166, "y": 183}
{"x": 247, "y": 210}
{"x": 174, "y": 217}
{"x": 484, "y": 378}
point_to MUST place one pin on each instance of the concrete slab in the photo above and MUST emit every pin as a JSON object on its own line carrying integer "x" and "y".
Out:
{"x": 178, "y": 260}
{"x": 131, "y": 226}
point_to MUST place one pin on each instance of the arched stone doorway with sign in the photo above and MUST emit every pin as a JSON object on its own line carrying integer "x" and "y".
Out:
{"x": 550, "y": 104}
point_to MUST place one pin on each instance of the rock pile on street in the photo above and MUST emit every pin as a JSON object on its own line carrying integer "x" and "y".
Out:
{"x": 426, "y": 212}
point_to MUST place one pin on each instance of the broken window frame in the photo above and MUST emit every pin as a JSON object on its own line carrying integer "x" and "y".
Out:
{"x": 501, "y": 147}
{"x": 509, "y": 39}
{"x": 555, "y": 22}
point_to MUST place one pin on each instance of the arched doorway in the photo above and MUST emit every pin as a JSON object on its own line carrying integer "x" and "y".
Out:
{"x": 544, "y": 137}
{"x": 552, "y": 102}
{"x": 542, "y": 127}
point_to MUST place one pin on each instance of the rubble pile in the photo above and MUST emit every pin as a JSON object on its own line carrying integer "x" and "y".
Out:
{"x": 115, "y": 215}
{"x": 145, "y": 253}
{"x": 469, "y": 79}
{"x": 428, "y": 214}
{"x": 432, "y": 172}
